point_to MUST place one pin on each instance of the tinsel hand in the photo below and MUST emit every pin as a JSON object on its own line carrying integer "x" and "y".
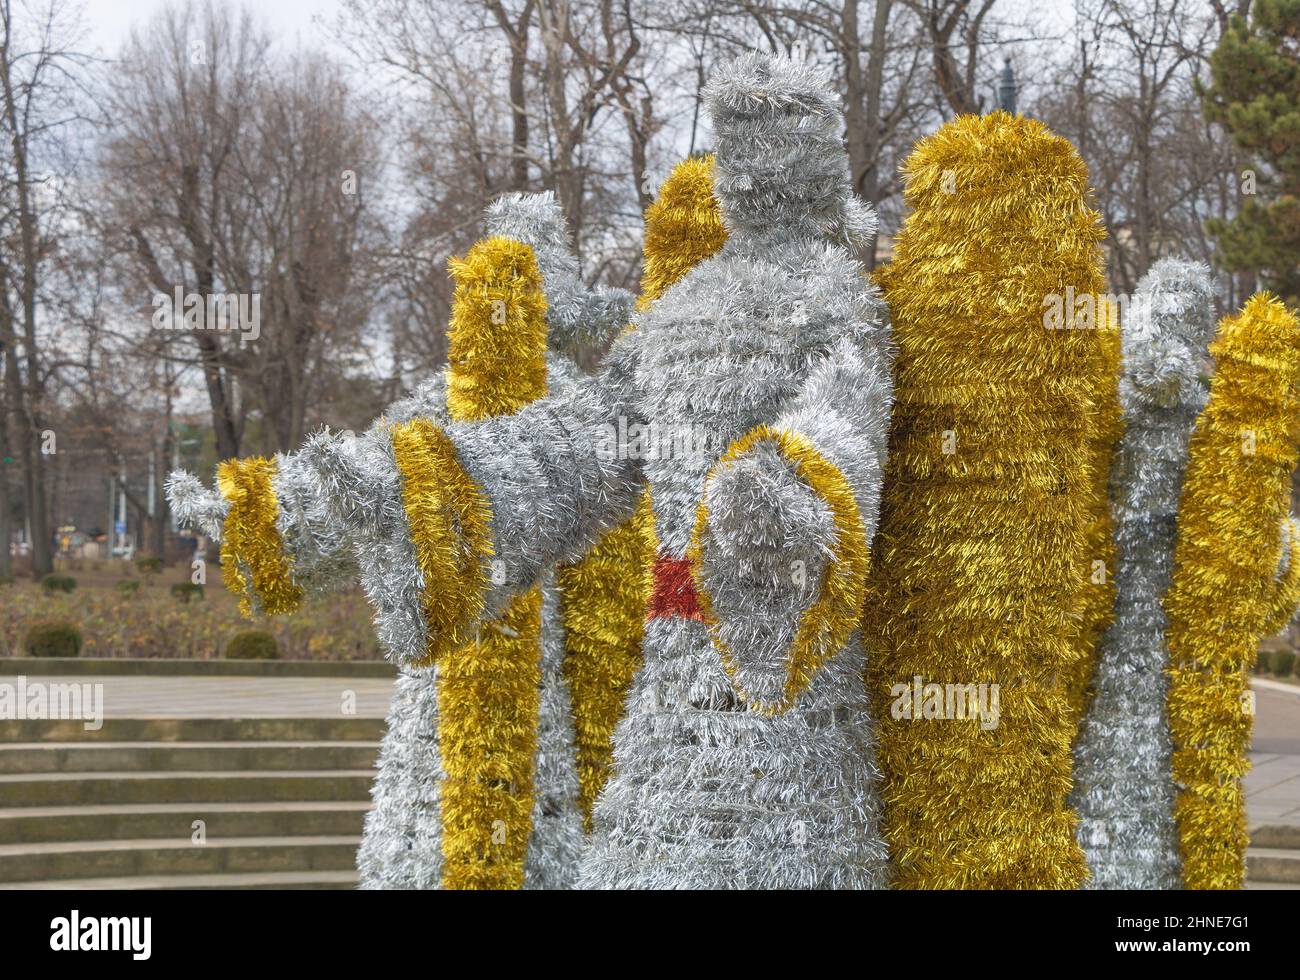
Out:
{"x": 277, "y": 540}
{"x": 194, "y": 504}
{"x": 779, "y": 553}
{"x": 762, "y": 554}
{"x": 576, "y": 315}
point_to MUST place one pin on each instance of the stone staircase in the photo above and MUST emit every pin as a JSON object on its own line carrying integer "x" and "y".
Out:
{"x": 281, "y": 802}
{"x": 1273, "y": 858}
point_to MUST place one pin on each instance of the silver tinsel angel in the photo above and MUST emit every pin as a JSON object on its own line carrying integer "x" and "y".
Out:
{"x": 1124, "y": 792}
{"x": 401, "y": 845}
{"x": 753, "y": 398}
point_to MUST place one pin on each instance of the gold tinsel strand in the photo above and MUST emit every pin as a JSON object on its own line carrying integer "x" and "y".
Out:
{"x": 1098, "y": 596}
{"x": 253, "y": 560}
{"x": 489, "y": 694}
{"x": 683, "y": 227}
{"x": 450, "y": 523}
{"x": 824, "y": 627}
{"x": 604, "y": 595}
{"x": 603, "y": 611}
{"x": 976, "y": 574}
{"x": 489, "y": 690}
{"x": 1225, "y": 591}
{"x": 497, "y": 329}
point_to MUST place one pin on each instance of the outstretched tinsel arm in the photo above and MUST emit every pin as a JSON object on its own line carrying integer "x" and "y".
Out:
{"x": 1222, "y": 597}
{"x": 195, "y": 505}
{"x": 782, "y": 535}
{"x": 555, "y": 476}
{"x": 282, "y": 540}
{"x": 467, "y": 516}
{"x": 577, "y": 315}
{"x": 1123, "y": 790}
{"x": 278, "y": 541}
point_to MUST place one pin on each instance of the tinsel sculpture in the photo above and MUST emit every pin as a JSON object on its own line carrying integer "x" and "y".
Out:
{"x": 1231, "y": 578}
{"x": 978, "y": 574}
{"x": 604, "y": 596}
{"x": 723, "y": 765}
{"x": 745, "y": 757}
{"x": 1124, "y": 792}
{"x": 495, "y": 338}
{"x": 469, "y": 737}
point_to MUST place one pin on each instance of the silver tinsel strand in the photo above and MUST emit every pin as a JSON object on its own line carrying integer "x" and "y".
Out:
{"x": 1124, "y": 792}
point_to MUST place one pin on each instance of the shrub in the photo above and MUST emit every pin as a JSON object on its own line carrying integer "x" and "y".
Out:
{"x": 53, "y": 640}
{"x": 128, "y": 586}
{"x": 6, "y": 580}
{"x": 1263, "y": 661}
{"x": 58, "y": 583}
{"x": 187, "y": 591}
{"x": 149, "y": 566}
{"x": 252, "y": 645}
{"x": 1282, "y": 663}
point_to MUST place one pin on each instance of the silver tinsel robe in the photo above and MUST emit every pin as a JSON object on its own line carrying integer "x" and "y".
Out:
{"x": 1124, "y": 792}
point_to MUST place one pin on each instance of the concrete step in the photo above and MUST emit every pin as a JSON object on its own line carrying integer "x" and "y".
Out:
{"x": 36, "y": 757}
{"x": 1270, "y": 886}
{"x": 197, "y": 730}
{"x": 1273, "y": 864}
{"x": 68, "y": 789}
{"x": 39, "y": 824}
{"x": 1286, "y": 836}
{"x": 175, "y": 855}
{"x": 244, "y": 881}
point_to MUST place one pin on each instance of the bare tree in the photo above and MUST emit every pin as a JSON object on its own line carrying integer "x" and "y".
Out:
{"x": 231, "y": 172}
{"x": 1128, "y": 102}
{"x": 40, "y": 97}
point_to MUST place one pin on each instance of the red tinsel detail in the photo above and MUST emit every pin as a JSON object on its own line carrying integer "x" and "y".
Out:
{"x": 674, "y": 590}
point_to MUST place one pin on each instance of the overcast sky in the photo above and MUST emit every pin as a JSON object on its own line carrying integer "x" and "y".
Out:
{"x": 108, "y": 21}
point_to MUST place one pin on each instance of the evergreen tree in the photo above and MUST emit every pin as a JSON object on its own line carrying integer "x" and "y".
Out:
{"x": 1254, "y": 92}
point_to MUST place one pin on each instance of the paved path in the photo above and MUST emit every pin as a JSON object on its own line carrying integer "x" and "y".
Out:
{"x": 1273, "y": 784}
{"x": 1277, "y": 718}
{"x": 235, "y": 697}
